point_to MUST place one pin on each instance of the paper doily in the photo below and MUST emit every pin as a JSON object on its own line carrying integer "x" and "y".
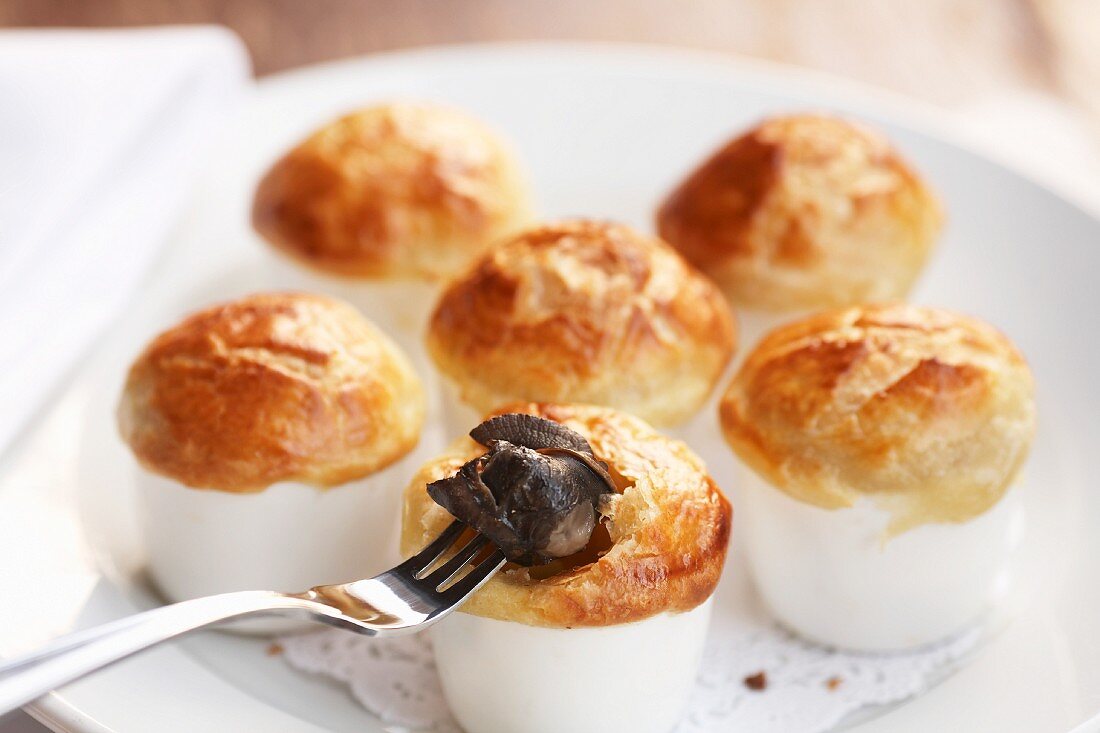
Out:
{"x": 808, "y": 688}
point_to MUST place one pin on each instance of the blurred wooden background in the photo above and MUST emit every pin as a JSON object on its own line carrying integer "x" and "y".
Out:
{"x": 945, "y": 51}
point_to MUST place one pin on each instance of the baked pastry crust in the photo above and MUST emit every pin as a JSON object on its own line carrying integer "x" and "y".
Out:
{"x": 802, "y": 212}
{"x": 269, "y": 388}
{"x": 395, "y": 190}
{"x": 584, "y": 311}
{"x": 669, "y": 526}
{"x": 928, "y": 412}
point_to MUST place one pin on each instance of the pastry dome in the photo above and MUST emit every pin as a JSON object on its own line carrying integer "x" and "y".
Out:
{"x": 928, "y": 412}
{"x": 668, "y": 528}
{"x": 804, "y": 212}
{"x": 394, "y": 190}
{"x": 584, "y": 311}
{"x": 269, "y": 388}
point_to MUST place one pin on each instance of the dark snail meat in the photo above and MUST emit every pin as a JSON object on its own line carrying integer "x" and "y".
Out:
{"x": 534, "y": 493}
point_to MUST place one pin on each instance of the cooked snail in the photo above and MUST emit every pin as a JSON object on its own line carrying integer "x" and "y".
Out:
{"x": 534, "y": 493}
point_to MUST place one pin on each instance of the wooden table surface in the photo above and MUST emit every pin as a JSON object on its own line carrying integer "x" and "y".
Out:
{"x": 945, "y": 51}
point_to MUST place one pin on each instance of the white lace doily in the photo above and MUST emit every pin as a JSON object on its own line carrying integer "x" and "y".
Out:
{"x": 808, "y": 688}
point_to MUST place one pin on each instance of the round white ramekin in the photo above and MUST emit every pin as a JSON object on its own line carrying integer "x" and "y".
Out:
{"x": 505, "y": 677}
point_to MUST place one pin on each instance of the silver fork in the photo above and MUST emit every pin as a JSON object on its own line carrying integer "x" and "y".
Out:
{"x": 403, "y": 600}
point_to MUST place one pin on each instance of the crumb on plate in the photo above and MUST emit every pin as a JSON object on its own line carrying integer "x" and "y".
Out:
{"x": 757, "y": 682}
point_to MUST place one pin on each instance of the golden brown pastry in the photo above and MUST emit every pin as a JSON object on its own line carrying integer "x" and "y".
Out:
{"x": 269, "y": 388}
{"x": 394, "y": 190}
{"x": 929, "y": 412}
{"x": 803, "y": 212}
{"x": 584, "y": 311}
{"x": 666, "y": 530}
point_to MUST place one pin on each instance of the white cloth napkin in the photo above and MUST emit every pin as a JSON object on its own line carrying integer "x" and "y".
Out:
{"x": 101, "y": 133}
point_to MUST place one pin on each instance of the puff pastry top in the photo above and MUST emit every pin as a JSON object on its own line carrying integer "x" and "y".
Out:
{"x": 584, "y": 311}
{"x": 669, "y": 526}
{"x": 803, "y": 212}
{"x": 927, "y": 412}
{"x": 395, "y": 190}
{"x": 269, "y": 388}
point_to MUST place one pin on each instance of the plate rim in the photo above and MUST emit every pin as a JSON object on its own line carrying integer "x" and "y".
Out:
{"x": 905, "y": 111}
{"x": 56, "y": 712}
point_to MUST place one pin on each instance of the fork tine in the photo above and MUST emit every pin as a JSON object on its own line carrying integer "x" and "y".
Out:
{"x": 453, "y": 566}
{"x": 423, "y": 560}
{"x": 474, "y": 579}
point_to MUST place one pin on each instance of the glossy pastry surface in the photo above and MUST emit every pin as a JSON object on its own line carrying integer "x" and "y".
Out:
{"x": 394, "y": 190}
{"x": 272, "y": 387}
{"x": 584, "y": 311}
{"x": 660, "y": 546}
{"x": 804, "y": 211}
{"x": 927, "y": 412}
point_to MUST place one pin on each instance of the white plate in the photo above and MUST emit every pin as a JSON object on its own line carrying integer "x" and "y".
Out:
{"x": 604, "y": 131}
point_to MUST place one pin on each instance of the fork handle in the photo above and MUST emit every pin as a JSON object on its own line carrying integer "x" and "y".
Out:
{"x": 26, "y": 678}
